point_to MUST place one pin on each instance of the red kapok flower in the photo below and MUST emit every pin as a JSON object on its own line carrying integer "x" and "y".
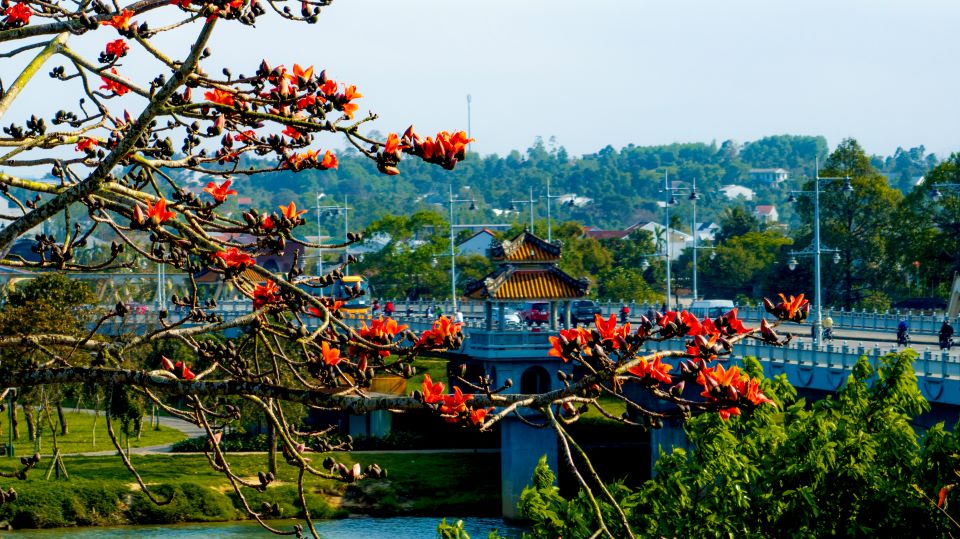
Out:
{"x": 219, "y": 192}
{"x": 350, "y": 92}
{"x": 220, "y": 97}
{"x": 86, "y": 143}
{"x": 121, "y": 21}
{"x": 348, "y": 109}
{"x": 329, "y": 161}
{"x": 265, "y": 294}
{"x": 754, "y": 395}
{"x": 655, "y": 370}
{"x": 558, "y": 345}
{"x": 117, "y": 48}
{"x": 18, "y": 14}
{"x": 456, "y": 403}
{"x": 331, "y": 355}
{"x": 292, "y": 132}
{"x": 305, "y": 74}
{"x": 477, "y": 416}
{"x": 290, "y": 211}
{"x": 942, "y": 496}
{"x": 235, "y": 258}
{"x": 329, "y": 88}
{"x": 444, "y": 328}
{"x": 158, "y": 213}
{"x": 118, "y": 88}
{"x": 432, "y": 391}
{"x": 609, "y": 331}
{"x": 185, "y": 371}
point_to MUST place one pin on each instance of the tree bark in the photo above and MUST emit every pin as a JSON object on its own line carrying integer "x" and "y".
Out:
{"x": 31, "y": 424}
{"x": 272, "y": 451}
{"x": 14, "y": 423}
{"x": 63, "y": 419}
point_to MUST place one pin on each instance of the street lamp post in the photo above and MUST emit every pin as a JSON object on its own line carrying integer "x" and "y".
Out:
{"x": 549, "y": 199}
{"x": 453, "y": 246}
{"x": 321, "y": 210}
{"x": 817, "y": 249}
{"x": 670, "y": 200}
{"x": 529, "y": 202}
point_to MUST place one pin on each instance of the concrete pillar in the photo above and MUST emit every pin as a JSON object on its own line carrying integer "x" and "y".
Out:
{"x": 488, "y": 315}
{"x": 501, "y": 323}
{"x": 553, "y": 315}
{"x": 521, "y": 447}
{"x": 666, "y": 439}
{"x": 567, "y": 313}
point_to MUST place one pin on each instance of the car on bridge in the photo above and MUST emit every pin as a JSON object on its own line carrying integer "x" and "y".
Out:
{"x": 584, "y": 312}
{"x": 535, "y": 313}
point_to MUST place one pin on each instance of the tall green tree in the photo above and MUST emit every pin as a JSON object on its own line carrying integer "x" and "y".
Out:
{"x": 858, "y": 224}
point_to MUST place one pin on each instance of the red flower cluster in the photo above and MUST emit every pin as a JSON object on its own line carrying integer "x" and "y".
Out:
{"x": 652, "y": 371}
{"x": 452, "y": 407}
{"x": 444, "y": 334}
{"x": 117, "y": 48}
{"x": 86, "y": 144}
{"x": 569, "y": 341}
{"x": 794, "y": 309}
{"x": 265, "y": 294}
{"x": 118, "y": 88}
{"x": 221, "y": 97}
{"x": 220, "y": 192}
{"x": 729, "y": 386}
{"x": 331, "y": 355}
{"x": 432, "y": 391}
{"x": 120, "y": 21}
{"x": 309, "y": 159}
{"x": 341, "y": 101}
{"x": 235, "y": 258}
{"x": 180, "y": 369}
{"x": 445, "y": 150}
{"x": 156, "y": 214}
{"x": 381, "y": 331}
{"x": 18, "y": 15}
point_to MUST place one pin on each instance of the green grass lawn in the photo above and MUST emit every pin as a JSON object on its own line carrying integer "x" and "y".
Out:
{"x": 98, "y": 491}
{"x": 435, "y": 367}
{"x": 80, "y": 437}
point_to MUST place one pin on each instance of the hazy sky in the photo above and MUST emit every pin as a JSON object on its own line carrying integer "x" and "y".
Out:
{"x": 618, "y": 72}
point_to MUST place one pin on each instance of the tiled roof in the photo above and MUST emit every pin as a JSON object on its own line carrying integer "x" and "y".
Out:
{"x": 525, "y": 248}
{"x": 513, "y": 283}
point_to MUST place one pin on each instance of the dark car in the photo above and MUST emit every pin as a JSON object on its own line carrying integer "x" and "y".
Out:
{"x": 584, "y": 312}
{"x": 534, "y": 313}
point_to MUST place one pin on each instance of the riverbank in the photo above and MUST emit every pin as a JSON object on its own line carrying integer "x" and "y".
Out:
{"x": 101, "y": 492}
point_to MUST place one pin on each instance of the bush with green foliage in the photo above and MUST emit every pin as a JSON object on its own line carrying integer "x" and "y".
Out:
{"x": 845, "y": 465}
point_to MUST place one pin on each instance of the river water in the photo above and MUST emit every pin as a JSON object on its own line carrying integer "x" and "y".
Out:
{"x": 348, "y": 528}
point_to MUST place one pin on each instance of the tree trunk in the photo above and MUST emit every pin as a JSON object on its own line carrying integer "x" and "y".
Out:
{"x": 63, "y": 419}
{"x": 14, "y": 424}
{"x": 272, "y": 451}
{"x": 31, "y": 424}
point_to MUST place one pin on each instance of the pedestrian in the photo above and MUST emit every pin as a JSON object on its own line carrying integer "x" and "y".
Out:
{"x": 459, "y": 317}
{"x": 437, "y": 312}
{"x": 624, "y": 314}
{"x": 388, "y": 309}
{"x": 376, "y": 306}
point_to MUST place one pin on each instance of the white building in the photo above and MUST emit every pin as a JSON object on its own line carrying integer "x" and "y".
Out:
{"x": 734, "y": 191}
{"x": 766, "y": 214}
{"x": 769, "y": 175}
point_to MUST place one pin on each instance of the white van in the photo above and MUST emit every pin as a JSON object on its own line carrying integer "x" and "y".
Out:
{"x": 710, "y": 308}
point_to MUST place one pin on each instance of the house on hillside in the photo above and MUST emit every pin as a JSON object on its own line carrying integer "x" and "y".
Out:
{"x": 734, "y": 191}
{"x": 678, "y": 240}
{"x": 707, "y": 231}
{"x": 768, "y": 175}
{"x": 766, "y": 214}
{"x": 600, "y": 234}
{"x": 477, "y": 244}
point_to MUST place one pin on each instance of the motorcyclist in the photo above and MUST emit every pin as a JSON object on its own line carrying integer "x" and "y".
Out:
{"x": 903, "y": 333}
{"x": 624, "y": 314}
{"x": 946, "y": 335}
{"x": 828, "y": 329}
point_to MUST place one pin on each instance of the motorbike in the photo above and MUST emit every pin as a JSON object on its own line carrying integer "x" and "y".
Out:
{"x": 828, "y": 334}
{"x": 903, "y": 337}
{"x": 946, "y": 343}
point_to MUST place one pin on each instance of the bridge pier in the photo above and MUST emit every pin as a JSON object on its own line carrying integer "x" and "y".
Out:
{"x": 521, "y": 447}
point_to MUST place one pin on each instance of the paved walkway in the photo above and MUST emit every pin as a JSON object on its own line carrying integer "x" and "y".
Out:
{"x": 187, "y": 428}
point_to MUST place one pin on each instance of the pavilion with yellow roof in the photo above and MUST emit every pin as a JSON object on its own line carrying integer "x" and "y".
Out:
{"x": 526, "y": 270}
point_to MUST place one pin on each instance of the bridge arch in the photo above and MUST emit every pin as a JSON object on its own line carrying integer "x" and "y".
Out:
{"x": 534, "y": 380}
